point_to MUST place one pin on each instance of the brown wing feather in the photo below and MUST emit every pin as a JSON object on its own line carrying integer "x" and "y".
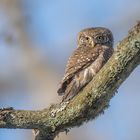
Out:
{"x": 80, "y": 59}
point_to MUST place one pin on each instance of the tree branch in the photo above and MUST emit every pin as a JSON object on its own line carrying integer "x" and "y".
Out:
{"x": 89, "y": 103}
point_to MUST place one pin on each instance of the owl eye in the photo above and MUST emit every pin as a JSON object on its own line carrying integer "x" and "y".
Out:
{"x": 100, "y": 38}
{"x": 84, "y": 39}
{"x": 87, "y": 38}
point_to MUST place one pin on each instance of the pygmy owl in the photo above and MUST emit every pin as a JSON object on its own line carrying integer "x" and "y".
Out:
{"x": 95, "y": 47}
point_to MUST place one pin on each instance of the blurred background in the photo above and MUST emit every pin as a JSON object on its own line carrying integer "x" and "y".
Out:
{"x": 36, "y": 39}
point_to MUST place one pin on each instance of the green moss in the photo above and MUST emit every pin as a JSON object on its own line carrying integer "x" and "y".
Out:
{"x": 90, "y": 102}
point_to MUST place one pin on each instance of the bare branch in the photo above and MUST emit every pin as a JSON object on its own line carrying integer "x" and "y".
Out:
{"x": 89, "y": 103}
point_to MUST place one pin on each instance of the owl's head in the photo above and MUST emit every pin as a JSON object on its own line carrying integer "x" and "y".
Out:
{"x": 94, "y": 36}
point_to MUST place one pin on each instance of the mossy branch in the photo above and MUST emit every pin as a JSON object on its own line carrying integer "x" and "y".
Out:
{"x": 89, "y": 103}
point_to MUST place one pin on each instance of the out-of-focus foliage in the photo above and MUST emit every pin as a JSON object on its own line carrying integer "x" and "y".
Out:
{"x": 36, "y": 38}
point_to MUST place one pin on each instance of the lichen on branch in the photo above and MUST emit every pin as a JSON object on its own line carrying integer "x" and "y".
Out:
{"x": 89, "y": 103}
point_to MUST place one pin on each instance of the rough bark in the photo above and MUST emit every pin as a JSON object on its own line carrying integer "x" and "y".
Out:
{"x": 89, "y": 103}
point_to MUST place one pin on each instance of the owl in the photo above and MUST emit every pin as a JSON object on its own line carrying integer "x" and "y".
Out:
{"x": 95, "y": 47}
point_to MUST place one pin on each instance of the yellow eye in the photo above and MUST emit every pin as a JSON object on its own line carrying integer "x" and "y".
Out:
{"x": 87, "y": 38}
{"x": 84, "y": 39}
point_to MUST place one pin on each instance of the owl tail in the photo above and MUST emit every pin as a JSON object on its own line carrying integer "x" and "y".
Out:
{"x": 63, "y": 86}
{"x": 71, "y": 90}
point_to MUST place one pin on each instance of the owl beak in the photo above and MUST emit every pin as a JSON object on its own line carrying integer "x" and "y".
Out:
{"x": 92, "y": 43}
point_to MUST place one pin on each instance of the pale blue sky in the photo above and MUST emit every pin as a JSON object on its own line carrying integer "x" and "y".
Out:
{"x": 53, "y": 25}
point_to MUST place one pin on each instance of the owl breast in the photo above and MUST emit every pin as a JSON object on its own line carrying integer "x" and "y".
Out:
{"x": 87, "y": 74}
{"x": 84, "y": 76}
